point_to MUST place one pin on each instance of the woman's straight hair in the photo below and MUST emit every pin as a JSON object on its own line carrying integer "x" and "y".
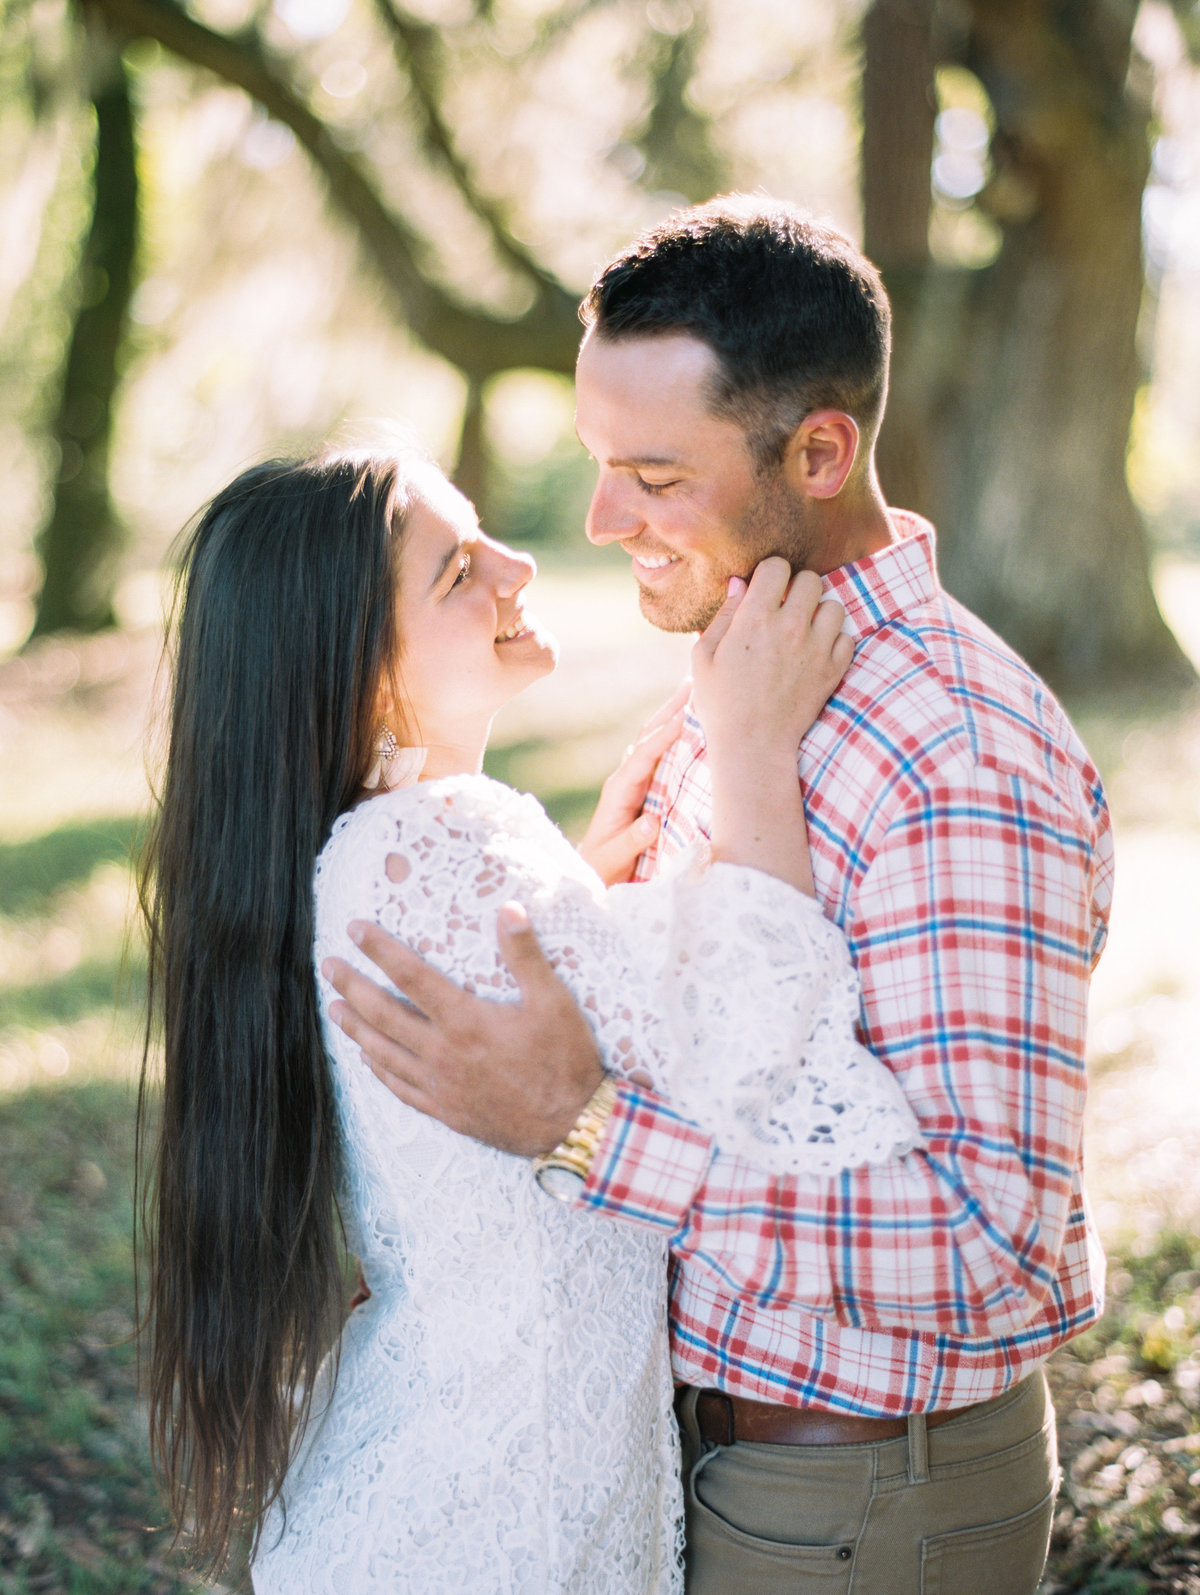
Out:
{"x": 285, "y": 635}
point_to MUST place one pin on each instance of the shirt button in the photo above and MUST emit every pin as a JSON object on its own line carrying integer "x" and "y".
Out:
{"x": 844, "y": 1553}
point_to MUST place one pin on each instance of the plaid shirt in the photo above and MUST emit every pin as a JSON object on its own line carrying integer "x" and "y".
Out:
{"x": 960, "y": 839}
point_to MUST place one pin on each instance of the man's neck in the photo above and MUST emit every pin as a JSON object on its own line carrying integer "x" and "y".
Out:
{"x": 853, "y": 528}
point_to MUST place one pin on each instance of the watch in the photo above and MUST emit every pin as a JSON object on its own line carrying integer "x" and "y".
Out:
{"x": 562, "y": 1173}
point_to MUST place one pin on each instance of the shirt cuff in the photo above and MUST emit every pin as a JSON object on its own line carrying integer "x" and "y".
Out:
{"x": 650, "y": 1163}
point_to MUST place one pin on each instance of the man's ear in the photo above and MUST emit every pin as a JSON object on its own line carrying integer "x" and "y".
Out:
{"x": 822, "y": 453}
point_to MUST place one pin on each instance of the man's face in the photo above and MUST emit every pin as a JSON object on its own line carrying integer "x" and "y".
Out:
{"x": 677, "y": 485}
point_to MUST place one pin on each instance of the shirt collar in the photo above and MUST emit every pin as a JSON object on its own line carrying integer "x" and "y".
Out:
{"x": 890, "y": 582}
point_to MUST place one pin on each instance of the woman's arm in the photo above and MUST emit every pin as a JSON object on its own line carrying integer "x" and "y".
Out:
{"x": 619, "y": 832}
{"x": 763, "y": 671}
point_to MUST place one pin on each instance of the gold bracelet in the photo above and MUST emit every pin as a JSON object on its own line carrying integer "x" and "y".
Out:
{"x": 561, "y": 1173}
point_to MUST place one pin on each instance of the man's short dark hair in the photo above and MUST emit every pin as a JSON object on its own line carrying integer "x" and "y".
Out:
{"x": 798, "y": 319}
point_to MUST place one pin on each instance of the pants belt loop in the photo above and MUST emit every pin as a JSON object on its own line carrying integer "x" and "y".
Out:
{"x": 918, "y": 1449}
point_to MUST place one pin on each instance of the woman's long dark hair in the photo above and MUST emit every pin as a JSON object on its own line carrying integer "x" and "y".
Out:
{"x": 285, "y": 633}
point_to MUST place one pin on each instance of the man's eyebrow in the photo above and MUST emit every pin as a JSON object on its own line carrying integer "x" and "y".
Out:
{"x": 641, "y": 462}
{"x": 636, "y": 462}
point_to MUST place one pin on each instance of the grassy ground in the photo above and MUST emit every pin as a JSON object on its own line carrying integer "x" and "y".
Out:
{"x": 78, "y": 1511}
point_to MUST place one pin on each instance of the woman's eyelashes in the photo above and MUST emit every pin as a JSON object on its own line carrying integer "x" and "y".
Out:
{"x": 653, "y": 487}
{"x": 464, "y": 570}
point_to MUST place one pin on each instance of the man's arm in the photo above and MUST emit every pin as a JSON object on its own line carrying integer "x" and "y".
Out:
{"x": 514, "y": 1075}
{"x": 974, "y": 935}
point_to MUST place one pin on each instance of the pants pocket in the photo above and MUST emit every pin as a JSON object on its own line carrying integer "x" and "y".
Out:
{"x": 725, "y": 1559}
{"x": 1003, "y": 1558}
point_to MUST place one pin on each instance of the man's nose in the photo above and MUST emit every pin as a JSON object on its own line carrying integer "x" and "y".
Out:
{"x": 610, "y": 517}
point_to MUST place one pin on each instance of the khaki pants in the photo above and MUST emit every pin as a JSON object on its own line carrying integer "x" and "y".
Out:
{"x": 961, "y": 1509}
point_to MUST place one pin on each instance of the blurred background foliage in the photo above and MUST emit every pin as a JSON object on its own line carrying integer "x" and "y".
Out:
{"x": 230, "y": 227}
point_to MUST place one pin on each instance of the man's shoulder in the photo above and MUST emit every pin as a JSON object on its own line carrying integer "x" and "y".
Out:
{"x": 934, "y": 697}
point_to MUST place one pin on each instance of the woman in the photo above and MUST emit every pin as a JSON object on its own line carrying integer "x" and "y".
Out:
{"x": 497, "y": 1414}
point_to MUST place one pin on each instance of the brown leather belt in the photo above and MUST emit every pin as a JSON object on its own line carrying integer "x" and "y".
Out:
{"x": 725, "y": 1418}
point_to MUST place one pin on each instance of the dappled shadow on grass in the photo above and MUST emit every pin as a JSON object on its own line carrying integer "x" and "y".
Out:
{"x": 72, "y": 963}
{"x": 32, "y": 871}
{"x": 79, "y": 1510}
{"x": 1127, "y": 1393}
{"x": 84, "y": 989}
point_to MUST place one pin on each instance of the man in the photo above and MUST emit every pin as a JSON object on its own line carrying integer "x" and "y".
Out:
{"x": 859, "y": 1358}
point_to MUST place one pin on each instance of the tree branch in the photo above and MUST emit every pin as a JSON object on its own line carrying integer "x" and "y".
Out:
{"x": 417, "y": 45}
{"x": 469, "y": 337}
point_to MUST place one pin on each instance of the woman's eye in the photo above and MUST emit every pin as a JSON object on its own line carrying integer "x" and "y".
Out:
{"x": 653, "y": 487}
{"x": 464, "y": 570}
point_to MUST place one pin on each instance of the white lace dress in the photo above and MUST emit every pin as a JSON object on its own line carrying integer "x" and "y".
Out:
{"x": 501, "y": 1417}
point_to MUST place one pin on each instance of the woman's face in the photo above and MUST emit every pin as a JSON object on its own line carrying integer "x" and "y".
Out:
{"x": 467, "y": 643}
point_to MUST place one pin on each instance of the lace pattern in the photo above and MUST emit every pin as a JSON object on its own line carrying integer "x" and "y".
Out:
{"x": 501, "y": 1421}
{"x": 762, "y": 1000}
{"x": 501, "y": 1418}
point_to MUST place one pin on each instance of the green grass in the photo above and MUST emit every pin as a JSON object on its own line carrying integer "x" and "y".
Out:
{"x": 35, "y": 870}
{"x": 1128, "y": 1398}
{"x": 65, "y": 998}
{"x": 79, "y": 1510}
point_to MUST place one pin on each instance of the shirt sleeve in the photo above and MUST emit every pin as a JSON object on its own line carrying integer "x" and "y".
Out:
{"x": 974, "y": 930}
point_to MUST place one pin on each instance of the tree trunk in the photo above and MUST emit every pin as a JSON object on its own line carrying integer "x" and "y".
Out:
{"x": 1016, "y": 384}
{"x": 81, "y": 541}
{"x": 472, "y": 473}
{"x": 897, "y": 152}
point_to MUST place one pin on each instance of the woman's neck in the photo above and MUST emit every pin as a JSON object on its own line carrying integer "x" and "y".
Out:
{"x": 457, "y": 754}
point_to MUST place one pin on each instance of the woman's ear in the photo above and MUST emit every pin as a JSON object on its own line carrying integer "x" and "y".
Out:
{"x": 822, "y": 453}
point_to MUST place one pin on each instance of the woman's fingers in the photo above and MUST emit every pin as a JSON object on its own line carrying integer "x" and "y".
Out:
{"x": 614, "y": 858}
{"x": 669, "y": 711}
{"x": 642, "y": 756}
{"x": 808, "y": 621}
{"x": 608, "y": 844}
{"x": 771, "y": 589}
{"x": 803, "y": 597}
{"x": 770, "y": 583}
{"x": 715, "y": 632}
{"x": 827, "y": 620}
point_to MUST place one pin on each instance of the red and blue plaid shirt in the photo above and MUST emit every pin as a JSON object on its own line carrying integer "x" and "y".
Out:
{"x": 960, "y": 839}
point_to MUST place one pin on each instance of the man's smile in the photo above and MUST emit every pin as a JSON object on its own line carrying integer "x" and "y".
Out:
{"x": 648, "y": 567}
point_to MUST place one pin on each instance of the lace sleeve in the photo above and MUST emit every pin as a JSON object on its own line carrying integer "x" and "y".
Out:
{"x": 728, "y": 989}
{"x": 465, "y": 846}
{"x": 761, "y": 999}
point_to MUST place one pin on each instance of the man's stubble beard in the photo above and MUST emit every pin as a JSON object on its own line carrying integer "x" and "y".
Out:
{"x": 775, "y": 521}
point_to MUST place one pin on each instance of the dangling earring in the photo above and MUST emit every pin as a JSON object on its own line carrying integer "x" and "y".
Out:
{"x": 386, "y": 746}
{"x": 394, "y": 766}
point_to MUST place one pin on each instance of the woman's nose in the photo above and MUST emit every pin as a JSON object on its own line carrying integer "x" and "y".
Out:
{"x": 514, "y": 569}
